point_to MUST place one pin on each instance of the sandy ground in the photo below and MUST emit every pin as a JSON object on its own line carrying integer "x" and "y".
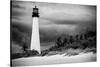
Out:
{"x": 54, "y": 59}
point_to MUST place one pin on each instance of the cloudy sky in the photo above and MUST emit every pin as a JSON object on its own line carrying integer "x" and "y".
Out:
{"x": 55, "y": 18}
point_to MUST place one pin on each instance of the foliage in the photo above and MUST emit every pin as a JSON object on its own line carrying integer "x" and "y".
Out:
{"x": 24, "y": 54}
{"x": 63, "y": 42}
{"x": 78, "y": 41}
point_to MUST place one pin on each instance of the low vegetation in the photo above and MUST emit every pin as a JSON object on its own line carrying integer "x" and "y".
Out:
{"x": 73, "y": 45}
{"x": 69, "y": 44}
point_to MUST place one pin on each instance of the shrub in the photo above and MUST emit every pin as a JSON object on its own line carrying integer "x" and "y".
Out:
{"x": 31, "y": 53}
{"x": 44, "y": 52}
{"x": 27, "y": 53}
{"x": 17, "y": 55}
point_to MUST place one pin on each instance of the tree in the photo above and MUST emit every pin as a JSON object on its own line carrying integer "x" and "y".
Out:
{"x": 65, "y": 41}
{"x": 59, "y": 41}
{"x": 71, "y": 39}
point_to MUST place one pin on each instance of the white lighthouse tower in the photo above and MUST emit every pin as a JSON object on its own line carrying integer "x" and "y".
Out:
{"x": 35, "y": 40}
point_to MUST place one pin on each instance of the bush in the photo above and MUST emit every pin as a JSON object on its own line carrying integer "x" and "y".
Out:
{"x": 31, "y": 53}
{"x": 27, "y": 53}
{"x": 44, "y": 52}
{"x": 17, "y": 55}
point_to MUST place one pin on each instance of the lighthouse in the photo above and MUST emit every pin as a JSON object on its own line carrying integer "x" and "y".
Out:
{"x": 35, "y": 40}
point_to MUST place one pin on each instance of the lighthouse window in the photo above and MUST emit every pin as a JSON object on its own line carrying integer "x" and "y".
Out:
{"x": 35, "y": 10}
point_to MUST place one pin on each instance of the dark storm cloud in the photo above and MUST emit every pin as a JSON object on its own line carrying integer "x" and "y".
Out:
{"x": 52, "y": 12}
{"x": 17, "y": 8}
{"x": 66, "y": 22}
{"x": 21, "y": 13}
{"x": 54, "y": 17}
{"x": 16, "y": 13}
{"x": 15, "y": 5}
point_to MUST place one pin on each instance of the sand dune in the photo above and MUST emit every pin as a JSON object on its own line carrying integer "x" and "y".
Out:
{"x": 55, "y": 59}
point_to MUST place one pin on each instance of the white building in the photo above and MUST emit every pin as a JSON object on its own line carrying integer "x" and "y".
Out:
{"x": 35, "y": 40}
